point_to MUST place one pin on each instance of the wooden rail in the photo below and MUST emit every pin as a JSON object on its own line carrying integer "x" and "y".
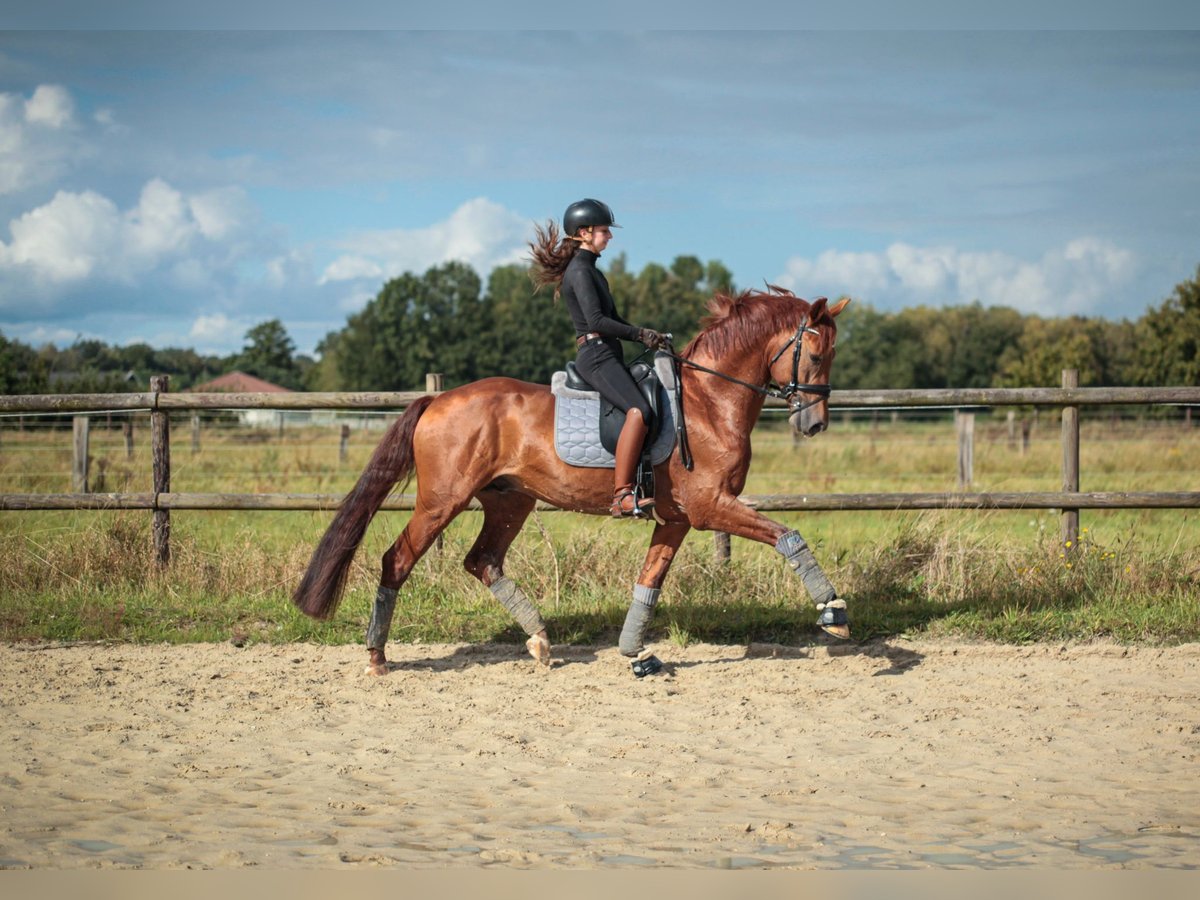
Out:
{"x": 765, "y": 502}
{"x": 392, "y": 400}
{"x": 161, "y": 403}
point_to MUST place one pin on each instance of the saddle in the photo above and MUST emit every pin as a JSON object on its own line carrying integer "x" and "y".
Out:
{"x": 586, "y": 427}
{"x": 612, "y": 420}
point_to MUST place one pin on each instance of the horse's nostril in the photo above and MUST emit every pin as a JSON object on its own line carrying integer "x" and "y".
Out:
{"x": 816, "y": 428}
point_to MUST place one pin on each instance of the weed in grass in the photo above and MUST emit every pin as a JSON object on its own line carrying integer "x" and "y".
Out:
{"x": 678, "y": 635}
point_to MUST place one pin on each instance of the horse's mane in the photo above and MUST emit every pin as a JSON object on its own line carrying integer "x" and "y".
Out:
{"x": 739, "y": 324}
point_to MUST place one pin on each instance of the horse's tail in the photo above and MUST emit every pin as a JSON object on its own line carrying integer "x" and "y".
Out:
{"x": 320, "y": 589}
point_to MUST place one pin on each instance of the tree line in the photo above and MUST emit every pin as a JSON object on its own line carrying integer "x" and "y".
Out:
{"x": 447, "y": 320}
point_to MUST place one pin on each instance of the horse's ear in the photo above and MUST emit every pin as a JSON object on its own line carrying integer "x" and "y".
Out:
{"x": 839, "y": 306}
{"x": 817, "y": 309}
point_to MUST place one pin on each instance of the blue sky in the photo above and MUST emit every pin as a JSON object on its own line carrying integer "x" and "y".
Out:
{"x": 178, "y": 187}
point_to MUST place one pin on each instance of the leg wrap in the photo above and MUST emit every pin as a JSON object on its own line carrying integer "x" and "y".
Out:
{"x": 515, "y": 601}
{"x": 381, "y": 618}
{"x": 637, "y": 620}
{"x": 800, "y": 558}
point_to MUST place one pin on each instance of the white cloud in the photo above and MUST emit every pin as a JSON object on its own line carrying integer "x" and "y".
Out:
{"x": 221, "y": 213}
{"x": 159, "y": 225}
{"x": 78, "y": 236}
{"x": 36, "y": 137}
{"x": 65, "y": 240}
{"x": 350, "y": 268}
{"x": 210, "y": 328}
{"x": 291, "y": 268}
{"x": 42, "y": 334}
{"x": 1085, "y": 276}
{"x": 50, "y": 106}
{"x": 480, "y": 232}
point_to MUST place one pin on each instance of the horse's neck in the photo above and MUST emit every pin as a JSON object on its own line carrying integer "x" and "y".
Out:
{"x": 737, "y": 405}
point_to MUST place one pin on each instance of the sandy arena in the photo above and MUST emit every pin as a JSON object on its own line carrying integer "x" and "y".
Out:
{"x": 885, "y": 755}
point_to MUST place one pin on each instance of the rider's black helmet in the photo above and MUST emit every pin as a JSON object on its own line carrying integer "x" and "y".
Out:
{"x": 585, "y": 214}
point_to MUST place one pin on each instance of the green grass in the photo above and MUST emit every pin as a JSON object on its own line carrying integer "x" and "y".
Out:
{"x": 998, "y": 575}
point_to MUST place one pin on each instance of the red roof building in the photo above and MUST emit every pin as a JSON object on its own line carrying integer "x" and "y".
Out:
{"x": 238, "y": 383}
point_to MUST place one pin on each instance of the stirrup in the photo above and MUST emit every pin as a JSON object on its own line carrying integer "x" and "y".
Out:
{"x": 626, "y": 504}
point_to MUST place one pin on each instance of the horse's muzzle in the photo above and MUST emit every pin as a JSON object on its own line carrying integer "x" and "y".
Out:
{"x": 807, "y": 423}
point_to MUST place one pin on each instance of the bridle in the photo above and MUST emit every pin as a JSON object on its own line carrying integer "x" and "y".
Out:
{"x": 793, "y": 387}
{"x": 780, "y": 392}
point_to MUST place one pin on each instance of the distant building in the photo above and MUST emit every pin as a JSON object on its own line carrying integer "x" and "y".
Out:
{"x": 240, "y": 383}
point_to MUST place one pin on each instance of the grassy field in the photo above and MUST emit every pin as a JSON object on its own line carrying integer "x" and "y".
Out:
{"x": 1135, "y": 575}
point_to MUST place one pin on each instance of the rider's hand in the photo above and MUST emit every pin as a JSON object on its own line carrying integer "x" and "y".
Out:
{"x": 652, "y": 338}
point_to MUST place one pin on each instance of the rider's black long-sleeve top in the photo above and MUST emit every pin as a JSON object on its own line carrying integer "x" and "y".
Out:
{"x": 585, "y": 291}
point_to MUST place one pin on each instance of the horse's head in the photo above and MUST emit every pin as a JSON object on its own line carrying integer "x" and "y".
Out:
{"x": 800, "y": 361}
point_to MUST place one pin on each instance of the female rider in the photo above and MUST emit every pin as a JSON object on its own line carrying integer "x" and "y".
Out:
{"x": 571, "y": 266}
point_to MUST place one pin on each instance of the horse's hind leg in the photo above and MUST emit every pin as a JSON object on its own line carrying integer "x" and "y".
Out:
{"x": 504, "y": 512}
{"x": 664, "y": 544}
{"x": 420, "y": 533}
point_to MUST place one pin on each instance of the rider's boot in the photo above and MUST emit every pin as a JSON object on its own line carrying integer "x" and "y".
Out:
{"x": 629, "y": 448}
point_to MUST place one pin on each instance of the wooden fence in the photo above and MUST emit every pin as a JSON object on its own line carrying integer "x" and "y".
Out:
{"x": 160, "y": 403}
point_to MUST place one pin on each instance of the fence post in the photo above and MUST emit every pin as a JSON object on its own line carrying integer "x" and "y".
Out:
{"x": 964, "y": 426}
{"x": 721, "y": 546}
{"x": 79, "y": 462}
{"x": 1070, "y": 460}
{"x": 160, "y": 449}
{"x": 127, "y": 428}
{"x": 343, "y": 448}
{"x": 196, "y": 431}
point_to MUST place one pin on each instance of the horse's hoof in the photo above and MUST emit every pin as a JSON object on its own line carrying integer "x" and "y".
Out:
{"x": 539, "y": 649}
{"x": 841, "y": 632}
{"x": 646, "y": 665}
{"x": 378, "y": 664}
{"x": 834, "y": 620}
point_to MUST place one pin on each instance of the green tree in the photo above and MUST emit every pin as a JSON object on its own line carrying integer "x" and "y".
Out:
{"x": 717, "y": 279}
{"x": 22, "y": 370}
{"x": 672, "y": 300}
{"x": 1167, "y": 349}
{"x": 529, "y": 336}
{"x": 268, "y": 354}
{"x": 414, "y": 325}
{"x": 877, "y": 351}
{"x": 1047, "y": 346}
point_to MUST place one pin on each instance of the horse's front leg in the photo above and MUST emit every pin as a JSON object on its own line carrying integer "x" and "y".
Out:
{"x": 727, "y": 513}
{"x": 664, "y": 544}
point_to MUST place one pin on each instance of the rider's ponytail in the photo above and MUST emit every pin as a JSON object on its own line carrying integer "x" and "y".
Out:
{"x": 550, "y": 256}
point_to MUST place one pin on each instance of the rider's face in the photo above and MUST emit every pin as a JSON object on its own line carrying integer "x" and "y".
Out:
{"x": 596, "y": 238}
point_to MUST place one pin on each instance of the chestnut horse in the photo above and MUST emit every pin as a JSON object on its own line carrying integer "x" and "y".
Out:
{"x": 493, "y": 441}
